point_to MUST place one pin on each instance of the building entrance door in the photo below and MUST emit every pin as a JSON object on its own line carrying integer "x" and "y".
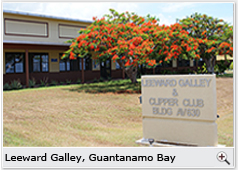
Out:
{"x": 105, "y": 69}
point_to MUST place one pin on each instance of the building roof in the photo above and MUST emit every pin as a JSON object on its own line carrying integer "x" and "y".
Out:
{"x": 35, "y": 43}
{"x": 45, "y": 16}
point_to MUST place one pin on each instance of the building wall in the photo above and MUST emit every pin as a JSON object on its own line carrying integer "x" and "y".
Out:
{"x": 36, "y": 29}
{"x": 54, "y": 73}
{"x": 174, "y": 63}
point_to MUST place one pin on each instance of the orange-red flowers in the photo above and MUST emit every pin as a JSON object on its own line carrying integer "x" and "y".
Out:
{"x": 132, "y": 47}
{"x": 127, "y": 63}
{"x": 71, "y": 56}
{"x": 189, "y": 48}
{"x": 200, "y": 41}
{"x": 210, "y": 50}
{"x": 154, "y": 21}
{"x": 204, "y": 32}
{"x": 73, "y": 44}
{"x": 152, "y": 63}
{"x": 115, "y": 57}
{"x": 91, "y": 47}
{"x": 130, "y": 53}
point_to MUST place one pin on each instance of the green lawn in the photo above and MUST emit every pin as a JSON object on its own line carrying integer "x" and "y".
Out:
{"x": 97, "y": 114}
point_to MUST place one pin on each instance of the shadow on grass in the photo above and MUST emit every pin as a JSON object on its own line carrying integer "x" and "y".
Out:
{"x": 115, "y": 86}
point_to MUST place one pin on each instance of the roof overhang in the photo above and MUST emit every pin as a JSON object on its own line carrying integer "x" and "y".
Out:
{"x": 45, "y": 16}
{"x": 35, "y": 43}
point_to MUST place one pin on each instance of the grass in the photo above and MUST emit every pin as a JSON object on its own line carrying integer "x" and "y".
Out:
{"x": 118, "y": 86}
{"x": 97, "y": 114}
{"x": 225, "y": 75}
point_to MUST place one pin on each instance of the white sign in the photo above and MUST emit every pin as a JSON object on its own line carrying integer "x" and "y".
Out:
{"x": 180, "y": 109}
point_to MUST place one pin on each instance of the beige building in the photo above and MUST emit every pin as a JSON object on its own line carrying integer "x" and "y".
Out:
{"x": 33, "y": 45}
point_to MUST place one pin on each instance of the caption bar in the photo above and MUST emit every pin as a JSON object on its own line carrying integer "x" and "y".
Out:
{"x": 117, "y": 157}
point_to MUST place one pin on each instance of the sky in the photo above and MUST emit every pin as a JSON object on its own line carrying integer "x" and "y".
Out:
{"x": 166, "y": 12}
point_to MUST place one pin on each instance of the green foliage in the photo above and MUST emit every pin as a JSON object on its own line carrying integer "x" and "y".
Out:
{"x": 222, "y": 65}
{"x": 225, "y": 75}
{"x": 132, "y": 40}
{"x": 189, "y": 71}
{"x": 214, "y": 35}
{"x": 53, "y": 83}
{"x": 6, "y": 86}
{"x": 16, "y": 84}
{"x": 44, "y": 82}
{"x": 78, "y": 81}
{"x": 32, "y": 82}
{"x": 216, "y": 69}
{"x": 231, "y": 66}
{"x": 101, "y": 79}
{"x": 95, "y": 80}
{"x": 201, "y": 70}
{"x": 68, "y": 81}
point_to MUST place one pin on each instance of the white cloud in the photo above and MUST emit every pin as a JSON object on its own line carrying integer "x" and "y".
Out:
{"x": 229, "y": 20}
{"x": 176, "y": 7}
{"x": 165, "y": 20}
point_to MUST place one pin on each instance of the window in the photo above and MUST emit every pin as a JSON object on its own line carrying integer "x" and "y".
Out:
{"x": 14, "y": 62}
{"x": 87, "y": 64}
{"x": 96, "y": 64}
{"x": 68, "y": 65}
{"x": 64, "y": 64}
{"x": 39, "y": 62}
{"x": 183, "y": 63}
{"x": 118, "y": 66}
{"x": 74, "y": 64}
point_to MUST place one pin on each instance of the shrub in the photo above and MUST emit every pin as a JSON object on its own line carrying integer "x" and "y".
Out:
{"x": 109, "y": 78}
{"x": 216, "y": 69}
{"x": 16, "y": 84}
{"x": 32, "y": 82}
{"x": 202, "y": 69}
{"x": 6, "y": 86}
{"x": 53, "y": 83}
{"x": 44, "y": 82}
{"x": 231, "y": 66}
{"x": 101, "y": 79}
{"x": 95, "y": 80}
{"x": 78, "y": 81}
{"x": 189, "y": 71}
{"x": 222, "y": 66}
{"x": 68, "y": 81}
{"x": 61, "y": 82}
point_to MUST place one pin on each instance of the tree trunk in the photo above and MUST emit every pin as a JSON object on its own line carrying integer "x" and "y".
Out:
{"x": 210, "y": 63}
{"x": 131, "y": 72}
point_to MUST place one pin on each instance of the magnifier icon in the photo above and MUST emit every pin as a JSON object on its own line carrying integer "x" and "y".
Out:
{"x": 222, "y": 157}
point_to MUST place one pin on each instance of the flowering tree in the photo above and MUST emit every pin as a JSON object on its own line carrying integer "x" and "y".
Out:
{"x": 132, "y": 40}
{"x": 214, "y": 36}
